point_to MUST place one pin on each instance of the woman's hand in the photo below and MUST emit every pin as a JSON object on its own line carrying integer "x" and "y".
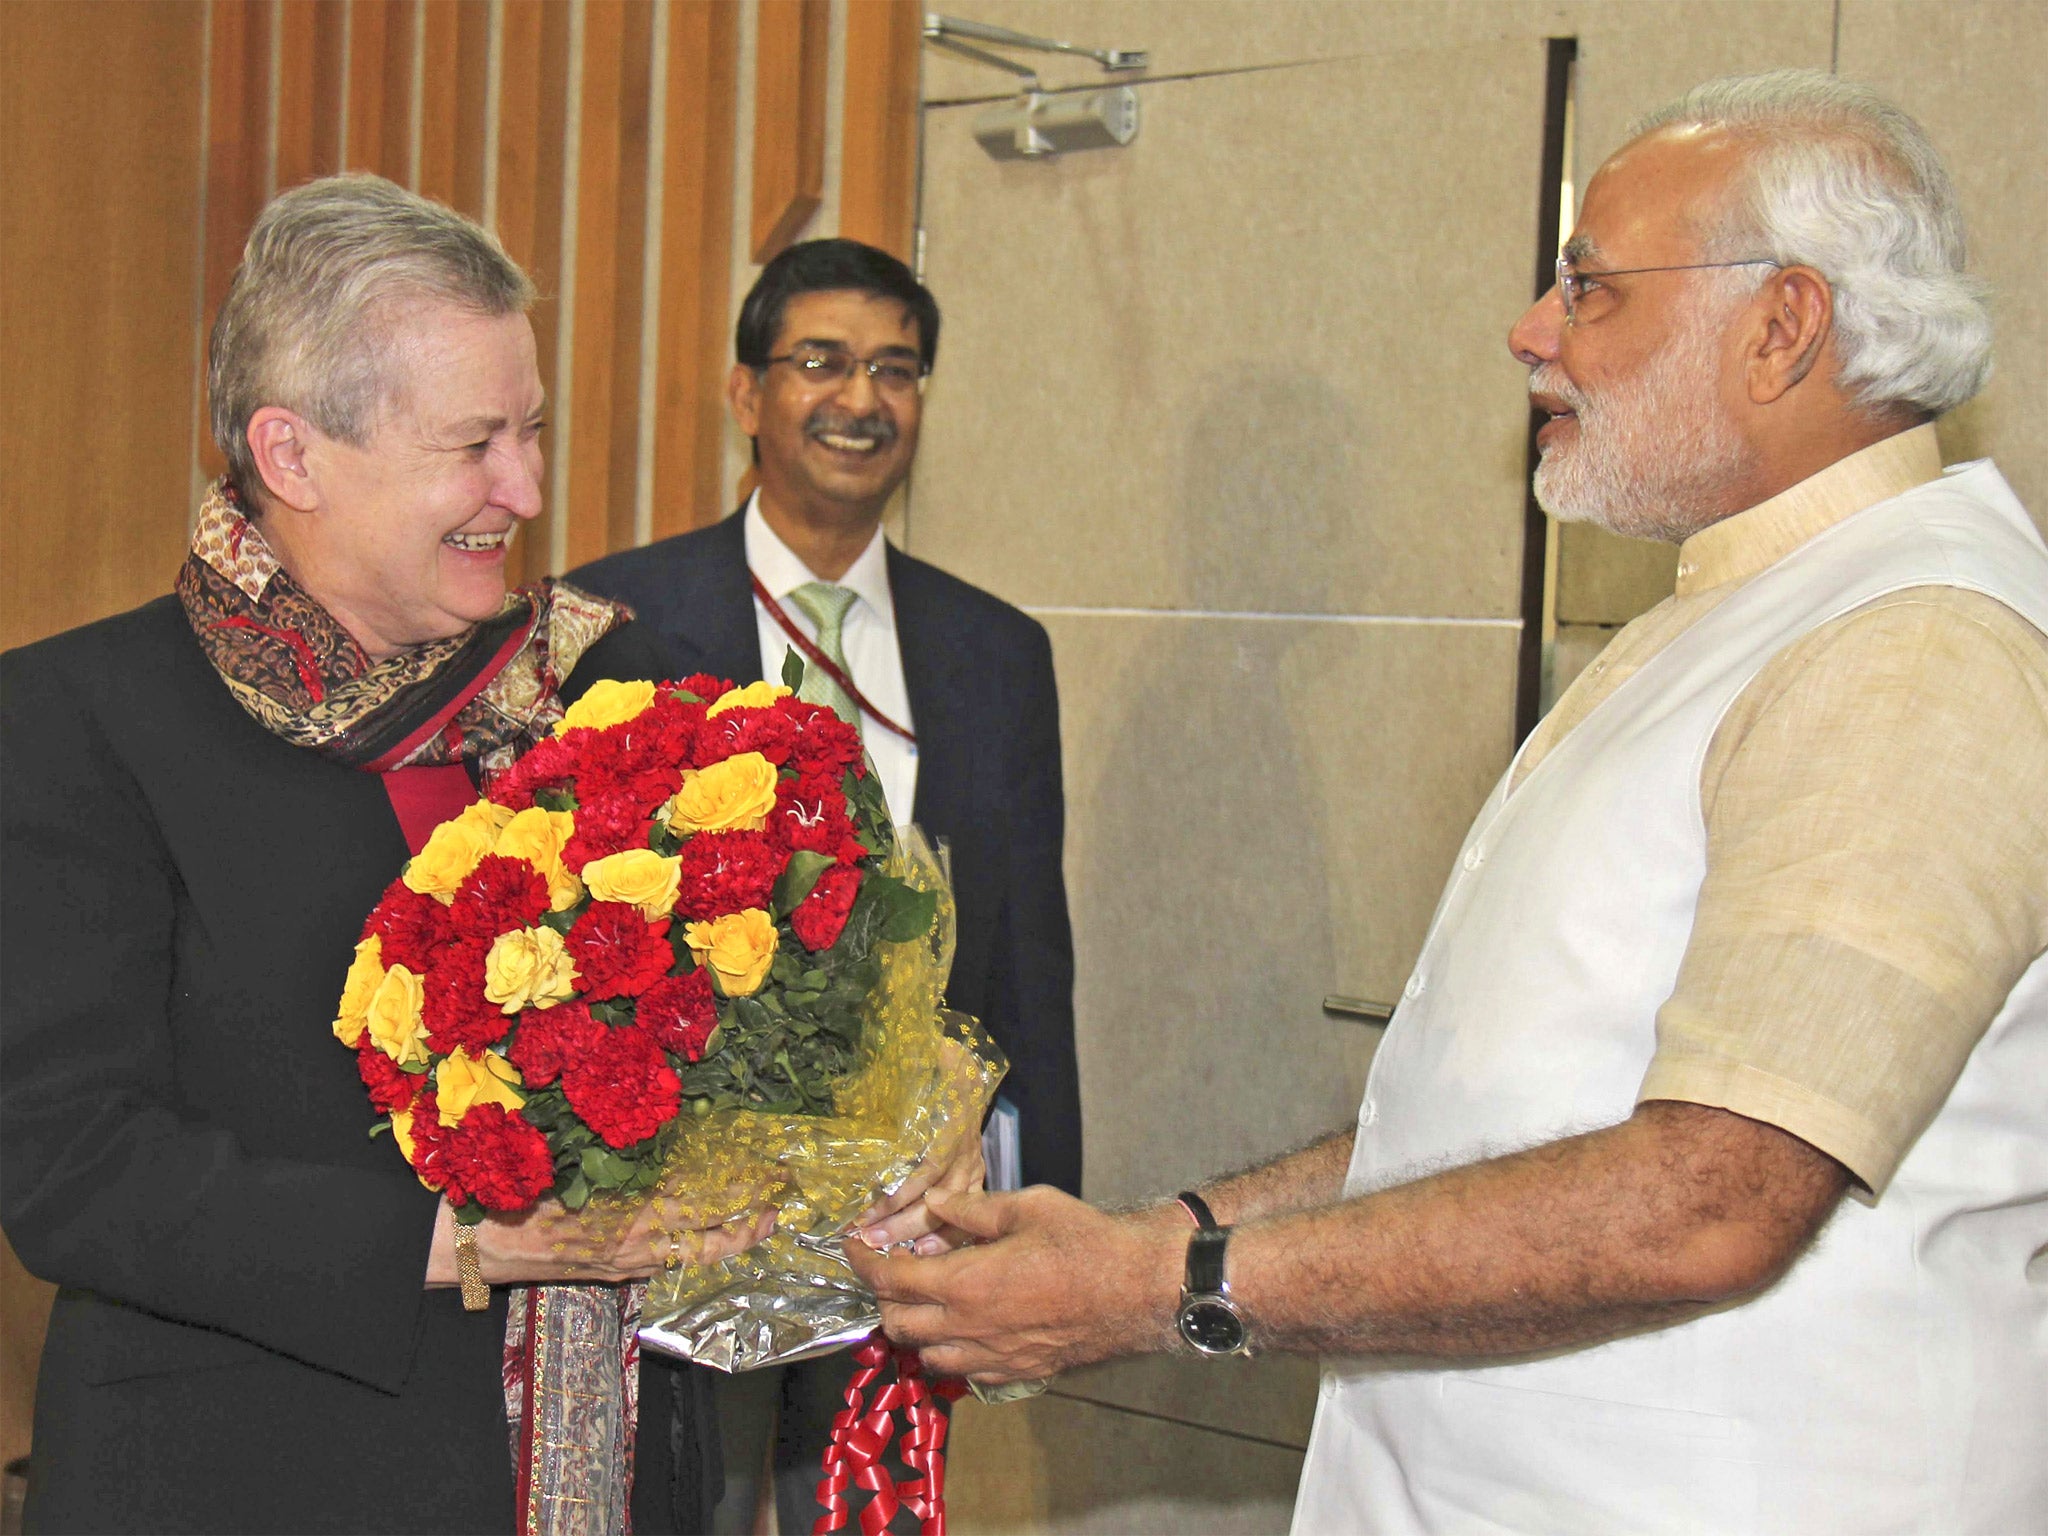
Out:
{"x": 551, "y": 1244}
{"x": 903, "y": 1217}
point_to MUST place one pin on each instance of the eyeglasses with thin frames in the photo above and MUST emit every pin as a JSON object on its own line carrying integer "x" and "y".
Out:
{"x": 1571, "y": 281}
{"x": 823, "y": 367}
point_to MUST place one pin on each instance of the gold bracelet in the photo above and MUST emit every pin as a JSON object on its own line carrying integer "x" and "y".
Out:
{"x": 469, "y": 1269}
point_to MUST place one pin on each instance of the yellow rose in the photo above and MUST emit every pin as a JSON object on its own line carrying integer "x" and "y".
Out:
{"x": 738, "y": 948}
{"x": 539, "y": 836}
{"x": 365, "y": 975}
{"x": 640, "y": 876}
{"x": 463, "y": 1080}
{"x": 607, "y": 703}
{"x": 393, "y": 1017}
{"x": 401, "y": 1131}
{"x": 454, "y": 849}
{"x": 733, "y": 796}
{"x": 529, "y": 968}
{"x": 753, "y": 696}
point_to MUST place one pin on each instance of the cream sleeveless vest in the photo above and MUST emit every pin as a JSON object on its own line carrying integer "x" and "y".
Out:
{"x": 1897, "y": 1378}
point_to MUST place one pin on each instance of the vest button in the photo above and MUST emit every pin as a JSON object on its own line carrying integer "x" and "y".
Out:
{"x": 1474, "y": 857}
{"x": 1414, "y": 987}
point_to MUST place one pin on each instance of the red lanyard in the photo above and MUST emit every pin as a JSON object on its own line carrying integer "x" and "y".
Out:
{"x": 818, "y": 658}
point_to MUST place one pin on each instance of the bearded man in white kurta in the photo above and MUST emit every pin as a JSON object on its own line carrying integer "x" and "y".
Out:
{"x": 1746, "y": 951}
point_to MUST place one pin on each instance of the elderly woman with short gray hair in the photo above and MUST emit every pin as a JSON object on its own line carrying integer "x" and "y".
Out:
{"x": 258, "y": 1327}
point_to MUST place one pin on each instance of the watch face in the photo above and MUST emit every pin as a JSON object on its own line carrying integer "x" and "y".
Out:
{"x": 1212, "y": 1325}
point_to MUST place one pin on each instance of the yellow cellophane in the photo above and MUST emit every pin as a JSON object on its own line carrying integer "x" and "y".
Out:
{"x": 926, "y": 1077}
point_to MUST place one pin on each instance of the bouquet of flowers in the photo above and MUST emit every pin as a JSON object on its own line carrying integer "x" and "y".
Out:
{"x": 676, "y": 953}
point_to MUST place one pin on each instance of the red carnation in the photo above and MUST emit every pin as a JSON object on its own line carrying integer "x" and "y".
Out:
{"x": 810, "y": 813}
{"x": 390, "y": 1088}
{"x": 455, "y": 1010}
{"x": 499, "y": 895}
{"x": 821, "y": 916}
{"x": 494, "y": 1157}
{"x": 768, "y": 731}
{"x": 622, "y": 1088}
{"x": 705, "y": 686}
{"x": 550, "y": 1039}
{"x": 549, "y": 764}
{"x": 725, "y": 872}
{"x": 635, "y": 766}
{"x": 679, "y": 1012}
{"x": 605, "y": 827}
{"x": 409, "y": 925}
{"x": 826, "y": 743}
{"x": 618, "y": 952}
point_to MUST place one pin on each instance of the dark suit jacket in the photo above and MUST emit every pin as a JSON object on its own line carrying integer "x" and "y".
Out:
{"x": 986, "y": 713}
{"x": 242, "y": 1340}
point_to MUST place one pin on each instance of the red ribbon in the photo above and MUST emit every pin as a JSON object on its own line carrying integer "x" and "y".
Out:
{"x": 861, "y": 1433}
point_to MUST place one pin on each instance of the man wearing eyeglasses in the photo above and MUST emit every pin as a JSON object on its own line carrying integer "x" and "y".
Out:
{"x": 1757, "y": 918}
{"x": 952, "y": 690}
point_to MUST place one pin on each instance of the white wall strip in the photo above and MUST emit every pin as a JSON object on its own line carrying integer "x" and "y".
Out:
{"x": 1426, "y": 620}
{"x": 493, "y": 113}
{"x": 565, "y": 306}
{"x": 418, "y": 91}
{"x": 650, "y": 276}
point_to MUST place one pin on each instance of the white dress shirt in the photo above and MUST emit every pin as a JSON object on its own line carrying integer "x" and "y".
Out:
{"x": 873, "y": 658}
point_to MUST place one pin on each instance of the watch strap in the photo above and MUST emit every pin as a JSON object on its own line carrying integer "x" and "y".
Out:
{"x": 1197, "y": 1209}
{"x": 1205, "y": 1261}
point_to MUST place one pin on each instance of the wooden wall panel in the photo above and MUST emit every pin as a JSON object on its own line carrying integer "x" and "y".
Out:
{"x": 878, "y": 124}
{"x": 533, "y": 81}
{"x": 692, "y": 337}
{"x": 455, "y": 71}
{"x": 790, "y": 48}
{"x": 380, "y": 74}
{"x": 237, "y": 164}
{"x": 309, "y": 71}
{"x": 99, "y": 278}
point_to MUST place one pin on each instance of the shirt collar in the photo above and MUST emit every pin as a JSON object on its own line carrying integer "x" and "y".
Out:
{"x": 782, "y": 570}
{"x": 1738, "y": 547}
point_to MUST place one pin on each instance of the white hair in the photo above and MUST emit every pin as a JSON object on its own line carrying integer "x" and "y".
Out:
{"x": 1841, "y": 180}
{"x": 326, "y": 276}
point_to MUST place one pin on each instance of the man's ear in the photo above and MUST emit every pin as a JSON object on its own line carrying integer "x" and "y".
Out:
{"x": 743, "y": 394}
{"x": 279, "y": 438}
{"x": 1798, "y": 317}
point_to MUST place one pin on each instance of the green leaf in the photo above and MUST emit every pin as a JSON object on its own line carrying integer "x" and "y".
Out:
{"x": 798, "y": 879}
{"x": 576, "y": 1193}
{"x": 555, "y": 799}
{"x": 792, "y": 670}
{"x": 561, "y": 922}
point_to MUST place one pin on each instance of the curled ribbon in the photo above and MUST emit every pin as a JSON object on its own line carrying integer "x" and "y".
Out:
{"x": 853, "y": 1458}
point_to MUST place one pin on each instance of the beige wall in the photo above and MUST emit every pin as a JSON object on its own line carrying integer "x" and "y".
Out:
{"x": 1220, "y": 547}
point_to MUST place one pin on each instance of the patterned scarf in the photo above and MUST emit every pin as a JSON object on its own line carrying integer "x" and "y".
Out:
{"x": 571, "y": 1364}
{"x": 483, "y": 695}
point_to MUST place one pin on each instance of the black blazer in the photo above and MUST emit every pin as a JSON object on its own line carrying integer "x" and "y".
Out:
{"x": 242, "y": 1340}
{"x": 986, "y": 711}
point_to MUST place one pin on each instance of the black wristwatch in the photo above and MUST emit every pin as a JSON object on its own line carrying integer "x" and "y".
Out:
{"x": 1208, "y": 1319}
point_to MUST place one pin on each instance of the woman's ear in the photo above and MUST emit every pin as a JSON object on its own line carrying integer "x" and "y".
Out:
{"x": 278, "y": 439}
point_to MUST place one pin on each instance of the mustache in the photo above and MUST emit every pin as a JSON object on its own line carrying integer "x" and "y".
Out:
{"x": 874, "y": 424}
{"x": 1549, "y": 379}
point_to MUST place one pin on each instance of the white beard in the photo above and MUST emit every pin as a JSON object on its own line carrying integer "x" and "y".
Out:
{"x": 1653, "y": 454}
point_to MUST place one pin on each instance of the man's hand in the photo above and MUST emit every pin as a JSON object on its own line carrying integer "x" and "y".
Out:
{"x": 551, "y": 1244}
{"x": 1051, "y": 1283}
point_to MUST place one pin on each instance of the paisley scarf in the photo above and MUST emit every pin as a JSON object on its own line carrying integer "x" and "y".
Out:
{"x": 483, "y": 695}
{"x": 571, "y": 1374}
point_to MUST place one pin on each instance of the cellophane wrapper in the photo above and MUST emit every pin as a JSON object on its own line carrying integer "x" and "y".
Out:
{"x": 925, "y": 1074}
